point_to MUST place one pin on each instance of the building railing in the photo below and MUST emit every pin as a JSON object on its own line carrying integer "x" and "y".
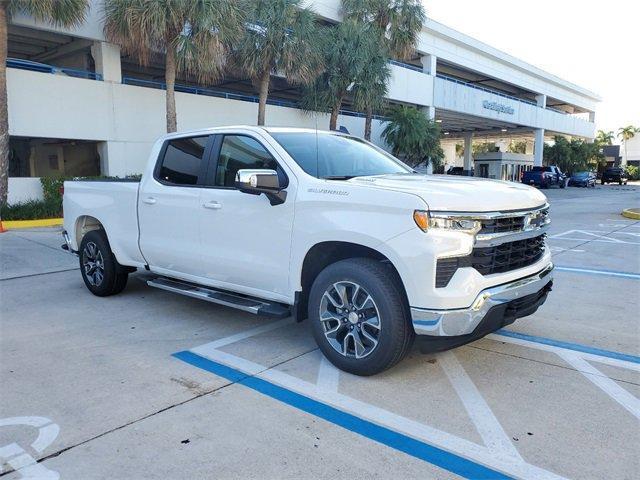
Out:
{"x": 44, "y": 68}
{"x": 557, "y": 110}
{"x": 485, "y": 89}
{"x": 229, "y": 95}
{"x": 406, "y": 65}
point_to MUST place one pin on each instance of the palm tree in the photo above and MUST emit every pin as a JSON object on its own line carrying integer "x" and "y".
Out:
{"x": 280, "y": 37}
{"x": 372, "y": 85}
{"x": 413, "y": 137}
{"x": 604, "y": 138}
{"x": 194, "y": 36}
{"x": 65, "y": 13}
{"x": 397, "y": 23}
{"x": 626, "y": 134}
{"x": 346, "y": 50}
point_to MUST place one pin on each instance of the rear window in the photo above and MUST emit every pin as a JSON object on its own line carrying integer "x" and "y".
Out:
{"x": 182, "y": 161}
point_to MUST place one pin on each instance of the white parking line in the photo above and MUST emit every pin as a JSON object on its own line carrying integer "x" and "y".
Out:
{"x": 499, "y": 454}
{"x": 608, "y": 386}
{"x": 328, "y": 376}
{"x": 501, "y": 461}
{"x": 479, "y": 411}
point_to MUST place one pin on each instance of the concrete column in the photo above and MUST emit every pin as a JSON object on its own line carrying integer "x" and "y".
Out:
{"x": 541, "y": 100}
{"x": 107, "y": 59}
{"x": 429, "y": 112}
{"x": 429, "y": 64}
{"x": 538, "y": 147}
{"x": 468, "y": 153}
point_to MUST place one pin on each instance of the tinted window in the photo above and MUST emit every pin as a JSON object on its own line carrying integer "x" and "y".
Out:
{"x": 182, "y": 160}
{"x": 328, "y": 155}
{"x": 239, "y": 152}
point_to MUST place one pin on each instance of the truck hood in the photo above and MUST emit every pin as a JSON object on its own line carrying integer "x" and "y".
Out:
{"x": 459, "y": 194}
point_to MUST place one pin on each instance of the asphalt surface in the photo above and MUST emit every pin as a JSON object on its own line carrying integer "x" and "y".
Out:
{"x": 148, "y": 384}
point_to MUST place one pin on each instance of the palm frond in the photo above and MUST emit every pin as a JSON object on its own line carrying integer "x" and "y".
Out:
{"x": 61, "y": 13}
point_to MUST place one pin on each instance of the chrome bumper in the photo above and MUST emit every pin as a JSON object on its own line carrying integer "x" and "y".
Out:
{"x": 463, "y": 321}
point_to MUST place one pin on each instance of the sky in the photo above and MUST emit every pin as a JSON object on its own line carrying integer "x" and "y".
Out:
{"x": 594, "y": 44}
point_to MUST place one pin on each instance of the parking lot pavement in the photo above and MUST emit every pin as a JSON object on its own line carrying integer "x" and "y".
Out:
{"x": 151, "y": 385}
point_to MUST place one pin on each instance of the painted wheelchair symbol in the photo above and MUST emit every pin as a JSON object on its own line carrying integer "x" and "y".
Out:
{"x": 19, "y": 459}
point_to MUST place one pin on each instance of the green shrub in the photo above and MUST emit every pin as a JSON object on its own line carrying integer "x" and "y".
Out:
{"x": 31, "y": 210}
{"x": 633, "y": 172}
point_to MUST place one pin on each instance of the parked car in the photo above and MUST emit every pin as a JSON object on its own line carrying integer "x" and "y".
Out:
{"x": 544, "y": 177}
{"x": 614, "y": 175}
{"x": 318, "y": 225}
{"x": 583, "y": 179}
{"x": 458, "y": 171}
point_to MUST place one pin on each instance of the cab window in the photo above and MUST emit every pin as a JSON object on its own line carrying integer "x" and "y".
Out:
{"x": 183, "y": 161}
{"x": 239, "y": 152}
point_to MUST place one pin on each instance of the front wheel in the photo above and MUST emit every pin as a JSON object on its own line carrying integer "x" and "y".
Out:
{"x": 101, "y": 272}
{"x": 359, "y": 317}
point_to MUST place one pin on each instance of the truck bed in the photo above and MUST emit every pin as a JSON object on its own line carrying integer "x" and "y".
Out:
{"x": 113, "y": 203}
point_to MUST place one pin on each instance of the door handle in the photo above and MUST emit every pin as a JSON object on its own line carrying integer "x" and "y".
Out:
{"x": 212, "y": 205}
{"x": 149, "y": 200}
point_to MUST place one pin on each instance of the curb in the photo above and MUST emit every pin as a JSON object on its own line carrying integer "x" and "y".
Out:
{"x": 46, "y": 222}
{"x": 633, "y": 213}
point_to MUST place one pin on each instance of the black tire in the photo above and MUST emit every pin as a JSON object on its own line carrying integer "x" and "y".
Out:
{"x": 602, "y": 182}
{"x": 620, "y": 182}
{"x": 396, "y": 333}
{"x": 114, "y": 275}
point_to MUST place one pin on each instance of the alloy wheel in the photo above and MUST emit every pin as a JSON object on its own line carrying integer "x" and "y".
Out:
{"x": 350, "y": 319}
{"x": 93, "y": 264}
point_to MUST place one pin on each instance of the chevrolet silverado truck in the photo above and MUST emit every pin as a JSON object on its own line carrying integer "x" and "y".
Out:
{"x": 321, "y": 226}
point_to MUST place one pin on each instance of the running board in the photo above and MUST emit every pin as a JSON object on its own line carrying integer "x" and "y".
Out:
{"x": 246, "y": 304}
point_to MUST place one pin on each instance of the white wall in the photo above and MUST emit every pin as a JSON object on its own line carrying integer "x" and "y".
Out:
{"x": 23, "y": 189}
{"x": 633, "y": 149}
{"x": 131, "y": 118}
{"x": 410, "y": 86}
{"x": 461, "y": 98}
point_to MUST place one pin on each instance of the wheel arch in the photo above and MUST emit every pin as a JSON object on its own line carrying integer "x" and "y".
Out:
{"x": 85, "y": 224}
{"x": 323, "y": 254}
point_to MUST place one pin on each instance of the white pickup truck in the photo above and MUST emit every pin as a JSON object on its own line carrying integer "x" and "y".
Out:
{"x": 319, "y": 225}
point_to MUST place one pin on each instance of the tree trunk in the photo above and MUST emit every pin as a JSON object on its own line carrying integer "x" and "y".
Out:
{"x": 170, "y": 80}
{"x": 264, "y": 94}
{"x": 333, "y": 121}
{"x": 4, "y": 115}
{"x": 367, "y": 124}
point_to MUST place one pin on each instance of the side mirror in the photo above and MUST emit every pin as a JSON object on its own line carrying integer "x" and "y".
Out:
{"x": 264, "y": 181}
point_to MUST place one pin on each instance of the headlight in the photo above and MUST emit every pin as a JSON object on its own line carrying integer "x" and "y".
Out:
{"x": 426, "y": 220}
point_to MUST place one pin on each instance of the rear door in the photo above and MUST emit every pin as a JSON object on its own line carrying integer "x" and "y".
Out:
{"x": 169, "y": 205}
{"x": 245, "y": 241}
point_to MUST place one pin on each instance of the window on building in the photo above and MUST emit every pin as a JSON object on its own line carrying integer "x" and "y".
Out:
{"x": 241, "y": 152}
{"x": 182, "y": 161}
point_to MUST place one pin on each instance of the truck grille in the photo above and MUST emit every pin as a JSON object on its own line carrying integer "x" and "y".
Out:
{"x": 489, "y": 260}
{"x": 509, "y": 224}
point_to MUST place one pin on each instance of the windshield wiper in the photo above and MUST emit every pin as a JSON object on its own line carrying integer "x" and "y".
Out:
{"x": 338, "y": 177}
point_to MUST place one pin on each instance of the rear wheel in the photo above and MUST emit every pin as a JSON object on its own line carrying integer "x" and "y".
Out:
{"x": 359, "y": 317}
{"x": 101, "y": 273}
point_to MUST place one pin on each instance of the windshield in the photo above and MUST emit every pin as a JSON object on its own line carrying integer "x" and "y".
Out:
{"x": 325, "y": 155}
{"x": 581, "y": 174}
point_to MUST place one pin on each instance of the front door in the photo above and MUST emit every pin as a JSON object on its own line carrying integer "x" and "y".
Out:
{"x": 245, "y": 241}
{"x": 169, "y": 206}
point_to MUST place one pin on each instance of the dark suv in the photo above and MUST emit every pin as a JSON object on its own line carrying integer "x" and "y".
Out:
{"x": 614, "y": 175}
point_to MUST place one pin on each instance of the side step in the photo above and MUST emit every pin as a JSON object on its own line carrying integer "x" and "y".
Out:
{"x": 233, "y": 300}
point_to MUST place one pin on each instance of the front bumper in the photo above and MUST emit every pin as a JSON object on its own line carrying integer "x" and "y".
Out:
{"x": 464, "y": 321}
